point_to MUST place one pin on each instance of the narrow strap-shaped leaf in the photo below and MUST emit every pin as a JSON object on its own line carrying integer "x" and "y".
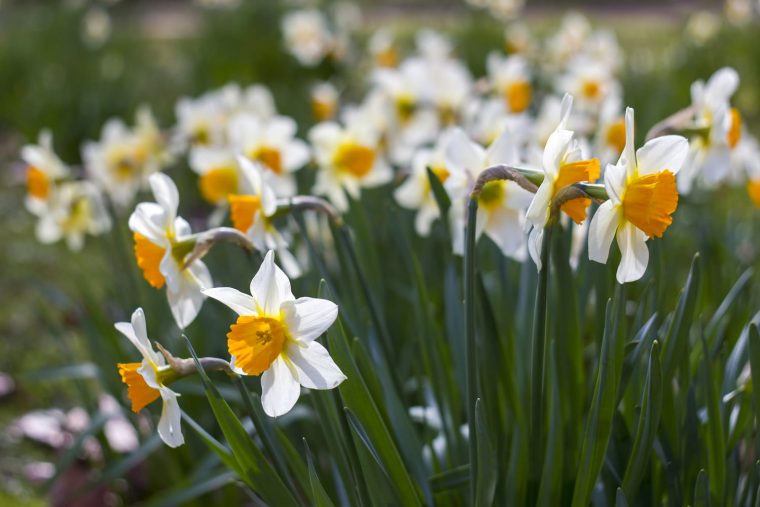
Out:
{"x": 451, "y": 479}
{"x": 702, "y": 490}
{"x": 620, "y": 500}
{"x": 675, "y": 344}
{"x": 225, "y": 455}
{"x": 255, "y": 469}
{"x": 599, "y": 423}
{"x": 738, "y": 288}
{"x": 716, "y": 438}
{"x": 754, "y": 363}
{"x": 646, "y": 431}
{"x": 318, "y": 493}
{"x": 550, "y": 492}
{"x": 183, "y": 493}
{"x": 485, "y": 486}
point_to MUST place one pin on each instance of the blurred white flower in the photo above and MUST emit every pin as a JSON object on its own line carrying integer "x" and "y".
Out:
{"x": 382, "y": 48}
{"x": 589, "y": 81}
{"x": 162, "y": 241}
{"x": 43, "y": 170}
{"x": 273, "y": 144}
{"x": 96, "y": 26}
{"x": 74, "y": 210}
{"x": 275, "y": 337}
{"x": 501, "y": 204}
{"x": 349, "y": 158}
{"x": 307, "y": 36}
{"x": 718, "y": 128}
{"x": 703, "y": 26}
{"x": 510, "y": 78}
{"x": 324, "y": 101}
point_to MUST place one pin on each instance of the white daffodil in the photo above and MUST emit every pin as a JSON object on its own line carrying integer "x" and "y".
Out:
{"x": 747, "y": 160}
{"x": 43, "y": 169}
{"x": 349, "y": 158}
{"x": 415, "y": 192}
{"x": 718, "y": 127}
{"x": 273, "y": 144}
{"x": 162, "y": 241}
{"x": 324, "y": 101}
{"x": 642, "y": 197}
{"x": 510, "y": 78}
{"x": 146, "y": 381}
{"x": 119, "y": 163}
{"x": 201, "y": 121}
{"x": 501, "y": 204}
{"x": 251, "y": 211}
{"x": 590, "y": 81}
{"x": 218, "y": 171}
{"x": 275, "y": 337}
{"x": 307, "y": 36}
{"x": 74, "y": 209}
{"x": 382, "y": 48}
{"x": 563, "y": 165}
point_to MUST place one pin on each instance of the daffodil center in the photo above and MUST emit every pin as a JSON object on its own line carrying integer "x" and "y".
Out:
{"x": 243, "y": 210}
{"x": 37, "y": 182}
{"x": 217, "y": 183}
{"x": 649, "y": 201}
{"x": 616, "y": 136}
{"x": 518, "y": 95}
{"x": 79, "y": 215}
{"x": 569, "y": 174}
{"x": 322, "y": 109}
{"x": 270, "y": 157}
{"x": 405, "y": 107}
{"x": 256, "y": 341}
{"x": 492, "y": 194}
{"x": 354, "y": 159}
{"x": 735, "y": 129}
{"x": 138, "y": 390}
{"x": 591, "y": 89}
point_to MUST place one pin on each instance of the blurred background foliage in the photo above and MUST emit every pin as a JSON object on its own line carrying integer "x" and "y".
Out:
{"x": 57, "y": 72}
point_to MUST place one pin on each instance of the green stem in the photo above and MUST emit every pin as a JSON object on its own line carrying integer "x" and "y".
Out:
{"x": 469, "y": 329}
{"x": 535, "y": 428}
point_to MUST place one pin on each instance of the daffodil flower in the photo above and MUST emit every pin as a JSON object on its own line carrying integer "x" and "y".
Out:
{"x": 218, "y": 171}
{"x": 589, "y": 80}
{"x": 162, "y": 241}
{"x": 563, "y": 165}
{"x": 307, "y": 36}
{"x": 251, "y": 212}
{"x": 146, "y": 381}
{"x": 274, "y": 337}
{"x": 273, "y": 144}
{"x": 501, "y": 204}
{"x": 324, "y": 101}
{"x": 510, "y": 77}
{"x": 718, "y": 129}
{"x": 642, "y": 197}
{"x": 43, "y": 169}
{"x": 74, "y": 210}
{"x": 349, "y": 158}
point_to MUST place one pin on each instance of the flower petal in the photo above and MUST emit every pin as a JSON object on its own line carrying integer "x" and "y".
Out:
{"x": 165, "y": 192}
{"x": 169, "y": 428}
{"x": 634, "y": 254}
{"x": 462, "y": 154}
{"x": 307, "y": 318}
{"x": 136, "y": 332}
{"x": 556, "y": 147}
{"x": 270, "y": 286}
{"x": 237, "y": 301}
{"x": 666, "y": 152}
{"x": 602, "y": 230}
{"x": 149, "y": 220}
{"x": 314, "y": 366}
{"x": 279, "y": 389}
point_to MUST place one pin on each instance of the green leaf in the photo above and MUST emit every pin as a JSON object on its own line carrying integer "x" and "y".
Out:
{"x": 485, "y": 486}
{"x": 318, "y": 492}
{"x": 550, "y": 492}
{"x": 646, "y": 431}
{"x": 676, "y": 342}
{"x": 728, "y": 302}
{"x": 358, "y": 399}
{"x": 454, "y": 478}
{"x": 224, "y": 454}
{"x": 599, "y": 423}
{"x": 702, "y": 490}
{"x": 255, "y": 470}
{"x": 620, "y": 500}
{"x": 184, "y": 492}
{"x": 72, "y": 371}
{"x": 754, "y": 364}
{"x": 439, "y": 193}
{"x": 716, "y": 438}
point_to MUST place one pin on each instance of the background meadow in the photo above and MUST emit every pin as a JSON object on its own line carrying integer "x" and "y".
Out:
{"x": 70, "y": 66}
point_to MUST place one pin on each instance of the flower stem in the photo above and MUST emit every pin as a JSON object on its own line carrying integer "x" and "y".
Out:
{"x": 469, "y": 329}
{"x": 536, "y": 426}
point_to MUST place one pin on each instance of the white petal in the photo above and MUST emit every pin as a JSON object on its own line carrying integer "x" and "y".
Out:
{"x": 307, "y": 318}
{"x": 411, "y": 193}
{"x": 279, "y": 389}
{"x": 556, "y": 147}
{"x": 535, "y": 241}
{"x": 602, "y": 230}
{"x": 504, "y": 150}
{"x": 721, "y": 85}
{"x": 634, "y": 253}
{"x": 538, "y": 211}
{"x": 380, "y": 174}
{"x": 314, "y": 366}
{"x": 185, "y": 304}
{"x": 136, "y": 332}
{"x": 614, "y": 181}
{"x": 506, "y": 229}
{"x": 270, "y": 286}
{"x": 149, "y": 220}
{"x": 169, "y": 428}
{"x": 462, "y": 154}
{"x": 165, "y": 192}
{"x": 237, "y": 301}
{"x": 423, "y": 221}
{"x": 666, "y": 152}
{"x": 715, "y": 165}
